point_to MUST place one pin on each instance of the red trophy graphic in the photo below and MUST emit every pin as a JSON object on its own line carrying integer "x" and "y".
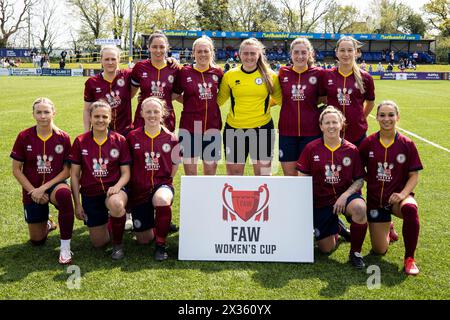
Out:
{"x": 245, "y": 204}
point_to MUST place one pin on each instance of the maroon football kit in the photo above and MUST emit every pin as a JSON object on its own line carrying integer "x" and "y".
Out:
{"x": 153, "y": 158}
{"x": 343, "y": 93}
{"x": 117, "y": 94}
{"x": 200, "y": 90}
{"x": 388, "y": 167}
{"x": 100, "y": 161}
{"x": 333, "y": 171}
{"x": 43, "y": 158}
{"x": 299, "y": 115}
{"x": 157, "y": 83}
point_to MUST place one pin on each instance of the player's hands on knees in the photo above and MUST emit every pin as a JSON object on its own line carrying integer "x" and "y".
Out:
{"x": 113, "y": 190}
{"x": 38, "y": 195}
{"x": 396, "y": 198}
{"x": 339, "y": 206}
{"x": 79, "y": 213}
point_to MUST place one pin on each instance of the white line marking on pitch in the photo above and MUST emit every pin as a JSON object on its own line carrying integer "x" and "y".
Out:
{"x": 420, "y": 138}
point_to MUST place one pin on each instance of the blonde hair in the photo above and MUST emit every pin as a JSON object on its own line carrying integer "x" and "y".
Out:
{"x": 161, "y": 103}
{"x": 49, "y": 102}
{"x": 332, "y": 110}
{"x": 308, "y": 45}
{"x": 113, "y": 48}
{"x": 263, "y": 65}
{"x": 389, "y": 103}
{"x": 356, "y": 70}
{"x": 208, "y": 41}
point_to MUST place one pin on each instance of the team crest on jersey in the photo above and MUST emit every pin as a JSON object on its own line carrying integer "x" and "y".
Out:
{"x": 137, "y": 146}
{"x": 343, "y": 96}
{"x": 166, "y": 147}
{"x": 312, "y": 80}
{"x": 170, "y": 78}
{"x": 152, "y": 161}
{"x": 113, "y": 98}
{"x": 121, "y": 82}
{"x": 346, "y": 161}
{"x": 258, "y": 81}
{"x": 401, "y": 158}
{"x": 384, "y": 171}
{"x": 298, "y": 92}
{"x": 215, "y": 78}
{"x": 205, "y": 90}
{"x": 100, "y": 167}
{"x": 374, "y": 213}
{"x": 44, "y": 163}
{"x": 332, "y": 173}
{"x": 29, "y": 148}
{"x": 114, "y": 153}
{"x": 59, "y": 149}
{"x": 157, "y": 88}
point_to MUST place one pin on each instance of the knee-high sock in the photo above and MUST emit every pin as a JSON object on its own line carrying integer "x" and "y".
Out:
{"x": 65, "y": 213}
{"x": 117, "y": 226}
{"x": 162, "y": 223}
{"x": 358, "y": 234}
{"x": 411, "y": 227}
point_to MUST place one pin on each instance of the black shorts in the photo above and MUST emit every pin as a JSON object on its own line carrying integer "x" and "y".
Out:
{"x": 143, "y": 214}
{"x": 326, "y": 222}
{"x": 38, "y": 213}
{"x": 375, "y": 215}
{"x": 258, "y": 142}
{"x": 204, "y": 146}
{"x": 95, "y": 210}
{"x": 291, "y": 147}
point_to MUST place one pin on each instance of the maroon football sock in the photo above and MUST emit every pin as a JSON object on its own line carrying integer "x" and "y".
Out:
{"x": 411, "y": 227}
{"x": 162, "y": 223}
{"x": 65, "y": 213}
{"x": 358, "y": 234}
{"x": 117, "y": 226}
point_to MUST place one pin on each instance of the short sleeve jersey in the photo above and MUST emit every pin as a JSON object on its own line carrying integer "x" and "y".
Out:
{"x": 200, "y": 89}
{"x": 42, "y": 158}
{"x": 153, "y": 157}
{"x": 343, "y": 93}
{"x": 333, "y": 171}
{"x": 100, "y": 161}
{"x": 116, "y": 93}
{"x": 154, "y": 82}
{"x": 250, "y": 99}
{"x": 299, "y": 115}
{"x": 387, "y": 166}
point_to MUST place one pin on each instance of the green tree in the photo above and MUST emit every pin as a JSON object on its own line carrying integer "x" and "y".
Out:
{"x": 414, "y": 24}
{"x": 213, "y": 15}
{"x": 93, "y": 16}
{"x": 438, "y": 12}
{"x": 339, "y": 18}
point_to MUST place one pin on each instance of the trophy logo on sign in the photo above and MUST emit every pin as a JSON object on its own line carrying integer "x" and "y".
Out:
{"x": 245, "y": 204}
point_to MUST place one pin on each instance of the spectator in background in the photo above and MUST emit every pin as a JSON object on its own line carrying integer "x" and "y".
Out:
{"x": 370, "y": 68}
{"x": 391, "y": 57}
{"x": 62, "y": 64}
{"x": 380, "y": 67}
{"x": 390, "y": 67}
{"x": 363, "y": 65}
{"x": 63, "y": 55}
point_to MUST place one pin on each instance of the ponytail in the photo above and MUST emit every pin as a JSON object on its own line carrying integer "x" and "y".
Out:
{"x": 356, "y": 70}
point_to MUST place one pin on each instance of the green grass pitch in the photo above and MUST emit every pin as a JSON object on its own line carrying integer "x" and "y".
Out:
{"x": 33, "y": 273}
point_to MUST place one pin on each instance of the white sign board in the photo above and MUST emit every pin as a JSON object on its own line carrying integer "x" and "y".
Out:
{"x": 401, "y": 76}
{"x": 226, "y": 218}
{"x": 104, "y": 42}
{"x": 4, "y": 72}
